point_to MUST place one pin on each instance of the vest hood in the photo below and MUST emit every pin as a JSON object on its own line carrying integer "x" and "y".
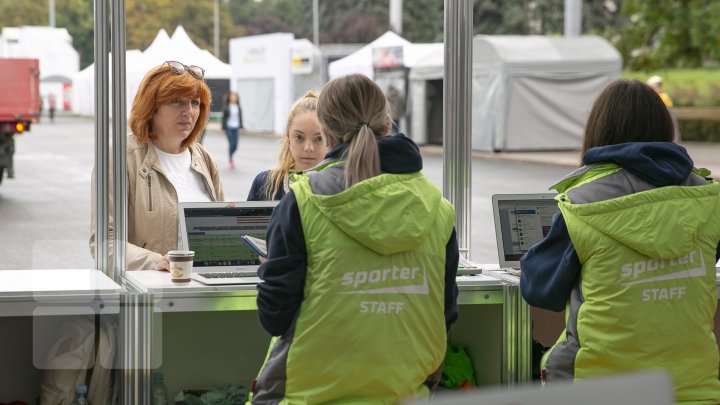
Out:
{"x": 659, "y": 163}
{"x": 640, "y": 221}
{"x": 388, "y": 213}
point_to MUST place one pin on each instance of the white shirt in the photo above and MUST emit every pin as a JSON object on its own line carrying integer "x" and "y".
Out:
{"x": 188, "y": 183}
{"x": 234, "y": 116}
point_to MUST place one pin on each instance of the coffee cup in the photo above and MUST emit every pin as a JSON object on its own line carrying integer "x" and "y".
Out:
{"x": 181, "y": 264}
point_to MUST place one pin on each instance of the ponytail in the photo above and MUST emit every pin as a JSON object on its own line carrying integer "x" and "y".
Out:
{"x": 354, "y": 110}
{"x": 362, "y": 157}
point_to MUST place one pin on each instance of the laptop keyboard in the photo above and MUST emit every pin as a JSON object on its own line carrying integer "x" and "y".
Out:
{"x": 465, "y": 266}
{"x": 234, "y": 274}
{"x": 514, "y": 272}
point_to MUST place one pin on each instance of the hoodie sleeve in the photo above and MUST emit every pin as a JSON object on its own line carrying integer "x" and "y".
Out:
{"x": 281, "y": 293}
{"x": 550, "y": 268}
{"x": 452, "y": 256}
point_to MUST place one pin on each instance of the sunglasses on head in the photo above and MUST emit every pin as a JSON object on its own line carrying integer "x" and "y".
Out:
{"x": 180, "y": 68}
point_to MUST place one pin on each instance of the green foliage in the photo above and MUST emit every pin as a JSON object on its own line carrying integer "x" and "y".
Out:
{"x": 423, "y": 20}
{"x": 13, "y": 14}
{"x": 677, "y": 33}
{"x": 77, "y": 16}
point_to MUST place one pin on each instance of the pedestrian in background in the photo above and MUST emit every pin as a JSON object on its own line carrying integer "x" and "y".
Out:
{"x": 231, "y": 123}
{"x": 303, "y": 147}
{"x": 631, "y": 255}
{"x": 656, "y": 83}
{"x": 52, "y": 104}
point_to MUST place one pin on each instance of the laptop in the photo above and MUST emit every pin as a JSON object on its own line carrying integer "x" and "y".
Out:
{"x": 214, "y": 230}
{"x": 521, "y": 220}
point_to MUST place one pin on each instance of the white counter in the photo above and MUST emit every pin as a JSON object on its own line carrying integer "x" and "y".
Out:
{"x": 57, "y": 292}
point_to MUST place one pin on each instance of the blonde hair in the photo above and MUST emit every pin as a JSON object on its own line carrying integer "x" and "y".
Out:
{"x": 159, "y": 86}
{"x": 306, "y": 103}
{"x": 354, "y": 109}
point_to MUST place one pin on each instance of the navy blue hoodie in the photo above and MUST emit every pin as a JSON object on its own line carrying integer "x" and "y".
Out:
{"x": 551, "y": 268}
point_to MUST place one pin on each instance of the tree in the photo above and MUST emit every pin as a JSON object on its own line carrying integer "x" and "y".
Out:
{"x": 679, "y": 33}
{"x": 355, "y": 27}
{"x": 77, "y": 16}
{"x": 14, "y": 14}
{"x": 423, "y": 20}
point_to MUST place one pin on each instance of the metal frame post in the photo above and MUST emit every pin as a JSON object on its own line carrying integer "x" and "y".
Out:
{"x": 457, "y": 114}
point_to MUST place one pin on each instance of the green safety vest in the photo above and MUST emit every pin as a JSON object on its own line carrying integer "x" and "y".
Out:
{"x": 647, "y": 293}
{"x": 371, "y": 327}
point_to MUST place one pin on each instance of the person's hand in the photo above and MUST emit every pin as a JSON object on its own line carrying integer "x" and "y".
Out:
{"x": 163, "y": 264}
{"x": 262, "y": 259}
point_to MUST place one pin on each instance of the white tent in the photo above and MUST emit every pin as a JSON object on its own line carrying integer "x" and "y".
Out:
{"x": 181, "y": 48}
{"x": 534, "y": 92}
{"x": 52, "y": 46}
{"x": 163, "y": 48}
{"x": 431, "y": 67}
{"x": 84, "y": 85}
{"x": 529, "y": 92}
{"x": 59, "y": 61}
{"x": 262, "y": 76}
{"x": 361, "y": 61}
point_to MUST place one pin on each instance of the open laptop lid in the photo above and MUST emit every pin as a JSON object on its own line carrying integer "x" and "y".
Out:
{"x": 214, "y": 229}
{"x": 521, "y": 220}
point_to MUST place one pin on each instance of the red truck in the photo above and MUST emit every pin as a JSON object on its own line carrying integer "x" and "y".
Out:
{"x": 19, "y": 105}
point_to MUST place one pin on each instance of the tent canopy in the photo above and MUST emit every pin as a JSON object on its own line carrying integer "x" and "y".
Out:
{"x": 361, "y": 61}
{"x": 179, "y": 47}
{"x": 528, "y": 53}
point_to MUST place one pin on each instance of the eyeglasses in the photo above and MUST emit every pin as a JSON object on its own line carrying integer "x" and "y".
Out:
{"x": 180, "y": 68}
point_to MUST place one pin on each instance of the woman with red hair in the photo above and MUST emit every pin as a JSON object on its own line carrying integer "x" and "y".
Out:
{"x": 166, "y": 164}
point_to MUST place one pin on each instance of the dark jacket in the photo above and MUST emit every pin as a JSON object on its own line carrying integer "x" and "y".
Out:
{"x": 256, "y": 190}
{"x": 226, "y": 115}
{"x": 280, "y": 296}
{"x": 550, "y": 269}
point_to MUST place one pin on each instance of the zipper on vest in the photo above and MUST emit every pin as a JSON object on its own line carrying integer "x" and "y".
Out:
{"x": 149, "y": 184}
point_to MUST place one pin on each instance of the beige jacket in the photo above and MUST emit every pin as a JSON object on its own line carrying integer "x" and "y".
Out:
{"x": 152, "y": 204}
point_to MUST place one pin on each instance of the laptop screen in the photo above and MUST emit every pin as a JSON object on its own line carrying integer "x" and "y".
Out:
{"x": 213, "y": 231}
{"x": 521, "y": 220}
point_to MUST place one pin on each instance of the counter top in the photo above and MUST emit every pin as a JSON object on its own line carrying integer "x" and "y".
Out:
{"x": 57, "y": 292}
{"x": 154, "y": 281}
{"x": 55, "y": 282}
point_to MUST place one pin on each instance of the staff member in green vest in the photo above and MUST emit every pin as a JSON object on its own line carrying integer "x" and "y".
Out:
{"x": 359, "y": 285}
{"x": 631, "y": 256}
